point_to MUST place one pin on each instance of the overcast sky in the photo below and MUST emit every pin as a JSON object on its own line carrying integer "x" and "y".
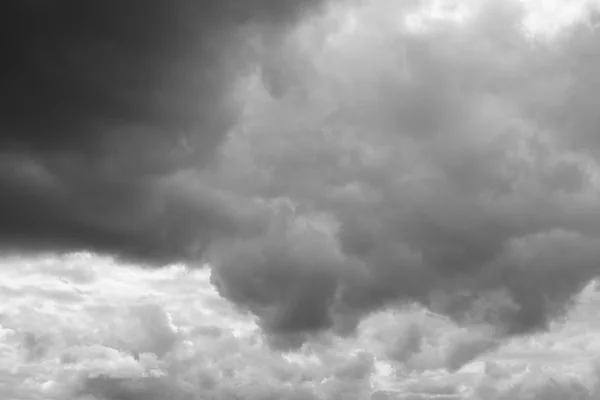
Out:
{"x": 299, "y": 199}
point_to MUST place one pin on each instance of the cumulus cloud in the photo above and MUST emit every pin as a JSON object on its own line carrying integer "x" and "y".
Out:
{"x": 326, "y": 160}
{"x": 442, "y": 159}
{"x": 419, "y": 177}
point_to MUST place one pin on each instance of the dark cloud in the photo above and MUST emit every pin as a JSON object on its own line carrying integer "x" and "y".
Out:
{"x": 281, "y": 279}
{"x": 447, "y": 163}
{"x": 103, "y": 102}
{"x": 366, "y": 163}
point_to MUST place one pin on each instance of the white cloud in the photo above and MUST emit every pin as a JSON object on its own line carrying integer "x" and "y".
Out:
{"x": 168, "y": 333}
{"x": 168, "y": 330}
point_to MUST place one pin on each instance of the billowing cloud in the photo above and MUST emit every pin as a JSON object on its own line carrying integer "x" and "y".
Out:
{"x": 326, "y": 160}
{"x": 387, "y": 195}
{"x": 442, "y": 158}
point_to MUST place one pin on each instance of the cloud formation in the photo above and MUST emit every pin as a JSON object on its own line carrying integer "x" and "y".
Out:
{"x": 444, "y": 158}
{"x": 327, "y": 159}
{"x": 145, "y": 334}
{"x": 109, "y": 113}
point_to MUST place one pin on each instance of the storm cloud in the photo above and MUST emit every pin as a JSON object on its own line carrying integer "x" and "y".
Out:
{"x": 327, "y": 160}
{"x": 111, "y": 109}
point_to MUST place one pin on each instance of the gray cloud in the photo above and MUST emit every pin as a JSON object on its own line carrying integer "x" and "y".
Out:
{"x": 454, "y": 166}
{"x": 407, "y": 344}
{"x": 426, "y": 166}
{"x": 103, "y": 106}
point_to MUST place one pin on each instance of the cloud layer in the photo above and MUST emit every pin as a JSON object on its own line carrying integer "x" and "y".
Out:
{"x": 109, "y": 112}
{"x": 327, "y": 159}
{"x": 131, "y": 333}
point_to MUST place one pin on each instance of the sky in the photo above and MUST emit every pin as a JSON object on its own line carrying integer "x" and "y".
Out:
{"x": 299, "y": 199}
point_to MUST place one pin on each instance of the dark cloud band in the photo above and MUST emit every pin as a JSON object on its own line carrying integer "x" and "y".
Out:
{"x": 102, "y": 102}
